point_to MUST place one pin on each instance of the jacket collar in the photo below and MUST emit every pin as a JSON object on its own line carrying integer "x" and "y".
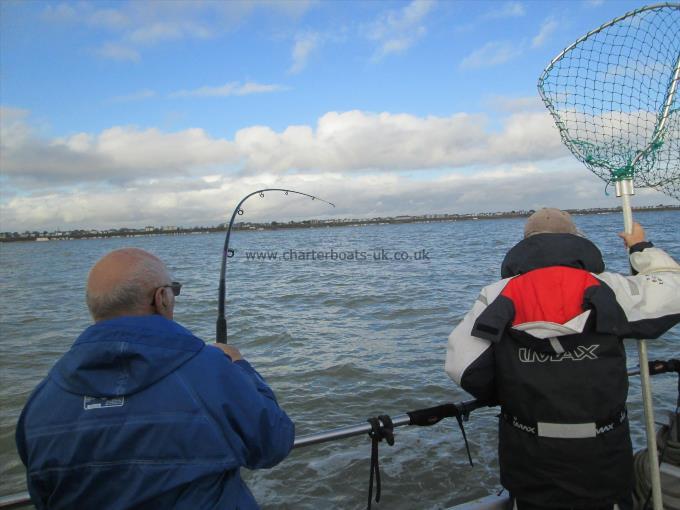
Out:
{"x": 125, "y": 355}
{"x": 545, "y": 250}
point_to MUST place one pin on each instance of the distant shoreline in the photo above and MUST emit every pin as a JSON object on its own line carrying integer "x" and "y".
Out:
{"x": 344, "y": 222}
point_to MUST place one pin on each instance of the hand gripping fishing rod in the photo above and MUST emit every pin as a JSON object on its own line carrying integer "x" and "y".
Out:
{"x": 221, "y": 327}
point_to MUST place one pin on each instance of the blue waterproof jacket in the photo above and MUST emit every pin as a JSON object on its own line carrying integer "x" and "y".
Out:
{"x": 140, "y": 413}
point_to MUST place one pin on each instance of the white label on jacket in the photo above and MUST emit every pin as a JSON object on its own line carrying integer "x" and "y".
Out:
{"x": 579, "y": 354}
{"x": 90, "y": 403}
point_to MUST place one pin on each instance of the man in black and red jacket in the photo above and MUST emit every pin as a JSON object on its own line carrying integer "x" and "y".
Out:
{"x": 545, "y": 343}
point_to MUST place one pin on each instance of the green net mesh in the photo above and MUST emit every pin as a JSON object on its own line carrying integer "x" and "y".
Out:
{"x": 614, "y": 97}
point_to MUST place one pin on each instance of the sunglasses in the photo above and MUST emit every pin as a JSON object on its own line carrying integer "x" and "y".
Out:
{"x": 175, "y": 286}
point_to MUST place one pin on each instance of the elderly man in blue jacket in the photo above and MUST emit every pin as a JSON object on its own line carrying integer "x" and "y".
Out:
{"x": 140, "y": 413}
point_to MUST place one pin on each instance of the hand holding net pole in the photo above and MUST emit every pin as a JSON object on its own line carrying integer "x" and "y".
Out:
{"x": 613, "y": 94}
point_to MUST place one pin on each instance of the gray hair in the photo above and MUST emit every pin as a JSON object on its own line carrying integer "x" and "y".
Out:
{"x": 130, "y": 295}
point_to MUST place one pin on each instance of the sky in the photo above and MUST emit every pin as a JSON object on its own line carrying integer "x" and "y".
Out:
{"x": 127, "y": 114}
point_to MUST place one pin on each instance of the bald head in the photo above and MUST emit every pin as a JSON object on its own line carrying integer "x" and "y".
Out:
{"x": 124, "y": 282}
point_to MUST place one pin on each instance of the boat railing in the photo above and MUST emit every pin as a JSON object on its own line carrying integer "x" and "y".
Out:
{"x": 421, "y": 417}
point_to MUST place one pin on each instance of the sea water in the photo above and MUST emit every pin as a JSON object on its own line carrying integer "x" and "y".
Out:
{"x": 339, "y": 339}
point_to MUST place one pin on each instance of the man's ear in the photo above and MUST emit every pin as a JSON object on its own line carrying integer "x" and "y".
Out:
{"x": 164, "y": 302}
{"x": 166, "y": 308}
{"x": 159, "y": 300}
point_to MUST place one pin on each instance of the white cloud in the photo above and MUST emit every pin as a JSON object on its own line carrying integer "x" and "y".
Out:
{"x": 229, "y": 89}
{"x": 155, "y": 32}
{"x": 352, "y": 141}
{"x": 116, "y": 155}
{"x": 396, "y": 31}
{"x": 114, "y": 51}
{"x": 258, "y": 88}
{"x": 495, "y": 53}
{"x": 195, "y": 202}
{"x": 507, "y": 10}
{"x": 134, "y": 96}
{"x": 491, "y": 54}
{"x": 109, "y": 18}
{"x": 369, "y": 164}
{"x": 304, "y": 45}
{"x": 294, "y": 9}
{"x": 359, "y": 141}
{"x": 61, "y": 13}
{"x": 181, "y": 151}
{"x": 14, "y": 127}
{"x": 83, "y": 13}
{"x": 134, "y": 26}
{"x": 546, "y": 30}
{"x": 158, "y": 32}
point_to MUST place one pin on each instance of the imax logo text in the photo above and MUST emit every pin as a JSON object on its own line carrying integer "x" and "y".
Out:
{"x": 579, "y": 354}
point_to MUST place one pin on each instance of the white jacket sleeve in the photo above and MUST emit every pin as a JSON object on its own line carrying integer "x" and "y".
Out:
{"x": 469, "y": 359}
{"x": 651, "y": 298}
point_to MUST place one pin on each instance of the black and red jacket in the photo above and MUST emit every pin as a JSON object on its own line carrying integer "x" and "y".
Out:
{"x": 545, "y": 343}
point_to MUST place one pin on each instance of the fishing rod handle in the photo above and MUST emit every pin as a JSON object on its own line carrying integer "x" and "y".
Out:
{"x": 221, "y": 330}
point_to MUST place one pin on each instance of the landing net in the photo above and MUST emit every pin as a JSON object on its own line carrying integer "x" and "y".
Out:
{"x": 614, "y": 97}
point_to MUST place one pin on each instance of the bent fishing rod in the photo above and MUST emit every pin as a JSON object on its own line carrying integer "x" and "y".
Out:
{"x": 221, "y": 326}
